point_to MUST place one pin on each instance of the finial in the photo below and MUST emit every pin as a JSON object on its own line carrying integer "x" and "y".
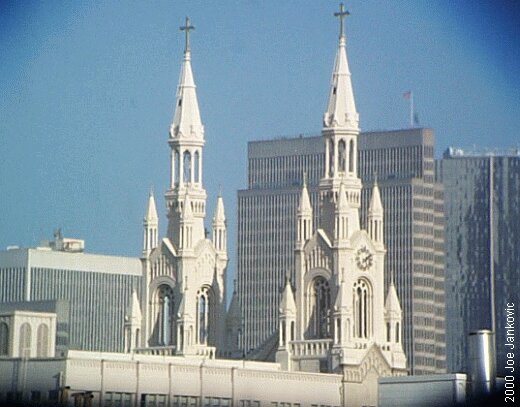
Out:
{"x": 304, "y": 178}
{"x": 219, "y": 190}
{"x": 342, "y": 13}
{"x": 187, "y": 27}
{"x": 375, "y": 178}
{"x": 151, "y": 190}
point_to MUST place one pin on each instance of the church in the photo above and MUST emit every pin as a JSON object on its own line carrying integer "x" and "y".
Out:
{"x": 338, "y": 330}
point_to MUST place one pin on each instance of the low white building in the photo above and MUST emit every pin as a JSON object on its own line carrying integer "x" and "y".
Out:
{"x": 110, "y": 379}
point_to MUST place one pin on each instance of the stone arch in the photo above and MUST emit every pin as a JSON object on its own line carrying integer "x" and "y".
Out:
{"x": 205, "y": 315}
{"x": 162, "y": 314}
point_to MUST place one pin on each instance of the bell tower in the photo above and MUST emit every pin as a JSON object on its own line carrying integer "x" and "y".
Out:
{"x": 186, "y": 143}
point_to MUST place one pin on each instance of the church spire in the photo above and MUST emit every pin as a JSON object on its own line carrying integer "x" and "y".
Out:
{"x": 305, "y": 203}
{"x": 219, "y": 226}
{"x": 304, "y": 216}
{"x": 186, "y": 160}
{"x": 186, "y": 120}
{"x": 375, "y": 215}
{"x": 341, "y": 110}
{"x": 150, "y": 226}
{"x": 151, "y": 212}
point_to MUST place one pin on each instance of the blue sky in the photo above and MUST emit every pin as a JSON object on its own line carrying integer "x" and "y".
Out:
{"x": 87, "y": 95}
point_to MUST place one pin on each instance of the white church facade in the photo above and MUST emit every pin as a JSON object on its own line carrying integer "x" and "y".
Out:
{"x": 339, "y": 331}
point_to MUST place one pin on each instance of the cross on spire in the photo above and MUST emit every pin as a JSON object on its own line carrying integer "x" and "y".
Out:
{"x": 342, "y": 13}
{"x": 187, "y": 27}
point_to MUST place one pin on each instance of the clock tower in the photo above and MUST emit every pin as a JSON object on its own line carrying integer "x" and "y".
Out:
{"x": 333, "y": 316}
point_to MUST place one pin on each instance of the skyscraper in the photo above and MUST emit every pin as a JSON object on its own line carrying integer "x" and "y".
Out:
{"x": 403, "y": 162}
{"x": 413, "y": 231}
{"x": 482, "y": 206}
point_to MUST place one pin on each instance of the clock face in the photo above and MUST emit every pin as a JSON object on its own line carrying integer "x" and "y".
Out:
{"x": 364, "y": 258}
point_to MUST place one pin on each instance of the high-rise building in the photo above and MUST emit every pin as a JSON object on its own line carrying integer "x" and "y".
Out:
{"x": 403, "y": 162}
{"x": 89, "y": 293}
{"x": 413, "y": 230}
{"x": 482, "y": 207}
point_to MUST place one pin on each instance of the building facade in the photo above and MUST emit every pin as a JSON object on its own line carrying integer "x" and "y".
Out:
{"x": 182, "y": 306}
{"x": 89, "y": 293}
{"x": 413, "y": 231}
{"x": 482, "y": 204}
{"x": 333, "y": 316}
{"x": 338, "y": 334}
{"x": 404, "y": 164}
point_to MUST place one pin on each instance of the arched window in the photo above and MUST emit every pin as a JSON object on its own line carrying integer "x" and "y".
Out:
{"x": 203, "y": 315}
{"x": 362, "y": 309}
{"x": 292, "y": 330}
{"x": 4, "y": 339}
{"x": 388, "y": 331}
{"x": 187, "y": 167}
{"x": 331, "y": 157}
{"x": 321, "y": 308}
{"x": 177, "y": 167}
{"x": 342, "y": 156}
{"x": 164, "y": 305}
{"x": 351, "y": 155}
{"x": 25, "y": 340}
{"x": 42, "y": 343}
{"x": 196, "y": 164}
{"x": 397, "y": 332}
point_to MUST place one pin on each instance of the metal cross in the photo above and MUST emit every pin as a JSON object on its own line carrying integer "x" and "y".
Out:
{"x": 187, "y": 27}
{"x": 342, "y": 13}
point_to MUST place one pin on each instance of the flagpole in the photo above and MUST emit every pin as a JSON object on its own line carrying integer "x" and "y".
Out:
{"x": 411, "y": 109}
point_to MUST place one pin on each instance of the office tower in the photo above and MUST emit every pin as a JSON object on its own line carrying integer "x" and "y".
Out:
{"x": 267, "y": 229}
{"x": 89, "y": 293}
{"x": 403, "y": 162}
{"x": 413, "y": 232}
{"x": 482, "y": 207}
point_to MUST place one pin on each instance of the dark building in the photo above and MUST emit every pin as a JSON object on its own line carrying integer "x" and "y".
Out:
{"x": 482, "y": 207}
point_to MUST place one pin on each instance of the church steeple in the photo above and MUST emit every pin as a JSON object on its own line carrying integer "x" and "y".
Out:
{"x": 186, "y": 142}
{"x": 341, "y": 110}
{"x": 340, "y": 132}
{"x": 186, "y": 120}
